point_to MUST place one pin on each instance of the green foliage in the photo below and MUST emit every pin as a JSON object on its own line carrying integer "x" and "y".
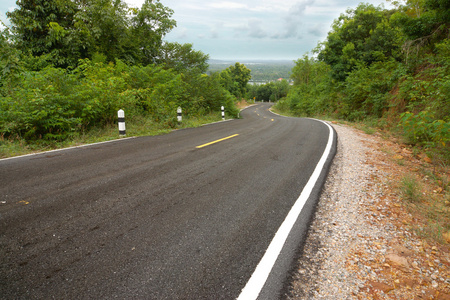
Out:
{"x": 311, "y": 90}
{"x": 64, "y": 31}
{"x": 366, "y": 90}
{"x": 392, "y": 66}
{"x": 424, "y": 129}
{"x": 54, "y": 103}
{"x": 149, "y": 26}
{"x": 66, "y": 67}
{"x": 235, "y": 78}
{"x": 10, "y": 63}
{"x": 205, "y": 94}
{"x": 425, "y": 95}
{"x": 427, "y": 19}
{"x": 182, "y": 58}
{"x": 40, "y": 27}
{"x": 359, "y": 38}
{"x": 272, "y": 91}
{"x": 39, "y": 107}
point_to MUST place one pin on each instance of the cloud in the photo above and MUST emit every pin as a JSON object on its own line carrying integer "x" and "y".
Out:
{"x": 253, "y": 29}
{"x": 256, "y": 30}
{"x": 181, "y": 32}
{"x": 293, "y": 21}
{"x": 317, "y": 30}
{"x": 216, "y": 29}
{"x": 214, "y": 33}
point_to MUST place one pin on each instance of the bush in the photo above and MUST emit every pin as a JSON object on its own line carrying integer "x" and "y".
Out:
{"x": 424, "y": 130}
{"x": 54, "y": 103}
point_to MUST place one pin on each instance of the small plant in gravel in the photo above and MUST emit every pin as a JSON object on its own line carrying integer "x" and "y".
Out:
{"x": 410, "y": 188}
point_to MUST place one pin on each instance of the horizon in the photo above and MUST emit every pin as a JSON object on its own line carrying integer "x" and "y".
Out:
{"x": 252, "y": 60}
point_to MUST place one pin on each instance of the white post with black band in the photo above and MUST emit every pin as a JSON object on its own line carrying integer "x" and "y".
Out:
{"x": 121, "y": 121}
{"x": 179, "y": 114}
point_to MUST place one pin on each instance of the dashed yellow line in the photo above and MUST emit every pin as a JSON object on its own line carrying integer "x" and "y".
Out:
{"x": 216, "y": 141}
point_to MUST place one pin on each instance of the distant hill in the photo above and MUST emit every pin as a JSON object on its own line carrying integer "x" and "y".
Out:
{"x": 262, "y": 70}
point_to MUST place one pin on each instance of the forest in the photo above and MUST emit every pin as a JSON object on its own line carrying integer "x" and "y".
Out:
{"x": 386, "y": 67}
{"x": 68, "y": 66}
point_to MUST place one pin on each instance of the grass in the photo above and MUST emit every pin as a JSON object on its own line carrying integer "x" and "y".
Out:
{"x": 137, "y": 126}
{"x": 436, "y": 218}
{"x": 411, "y": 189}
{"x": 428, "y": 202}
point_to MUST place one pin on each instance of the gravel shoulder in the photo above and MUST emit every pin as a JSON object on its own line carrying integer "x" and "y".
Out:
{"x": 362, "y": 244}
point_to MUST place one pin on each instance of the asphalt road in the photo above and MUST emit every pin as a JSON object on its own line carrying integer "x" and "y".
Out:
{"x": 159, "y": 217}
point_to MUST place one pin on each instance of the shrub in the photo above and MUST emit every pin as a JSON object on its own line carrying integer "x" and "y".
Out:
{"x": 53, "y": 103}
{"x": 423, "y": 129}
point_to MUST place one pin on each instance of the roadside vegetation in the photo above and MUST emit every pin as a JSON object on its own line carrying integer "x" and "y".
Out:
{"x": 271, "y": 91}
{"x": 66, "y": 69}
{"x": 389, "y": 68}
{"x": 388, "y": 71}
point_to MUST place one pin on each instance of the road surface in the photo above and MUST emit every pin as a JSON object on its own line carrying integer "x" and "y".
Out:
{"x": 187, "y": 215}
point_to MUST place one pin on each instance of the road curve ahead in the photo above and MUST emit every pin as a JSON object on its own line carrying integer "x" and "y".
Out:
{"x": 188, "y": 215}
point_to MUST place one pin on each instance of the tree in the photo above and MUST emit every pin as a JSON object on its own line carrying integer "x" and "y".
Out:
{"x": 39, "y": 26}
{"x": 235, "y": 79}
{"x": 149, "y": 26}
{"x": 64, "y": 31}
{"x": 280, "y": 90}
{"x": 10, "y": 63}
{"x": 309, "y": 71}
{"x": 102, "y": 27}
{"x": 424, "y": 22}
{"x": 182, "y": 58}
{"x": 359, "y": 38}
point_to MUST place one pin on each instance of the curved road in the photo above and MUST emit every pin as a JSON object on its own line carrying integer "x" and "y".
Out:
{"x": 188, "y": 215}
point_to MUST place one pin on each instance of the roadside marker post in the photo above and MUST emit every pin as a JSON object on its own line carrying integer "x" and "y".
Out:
{"x": 179, "y": 114}
{"x": 223, "y": 112}
{"x": 121, "y": 121}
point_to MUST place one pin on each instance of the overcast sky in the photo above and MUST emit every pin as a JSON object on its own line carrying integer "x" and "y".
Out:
{"x": 249, "y": 29}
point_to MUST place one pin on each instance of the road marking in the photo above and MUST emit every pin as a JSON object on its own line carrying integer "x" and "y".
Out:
{"x": 216, "y": 141}
{"x": 68, "y": 148}
{"x": 259, "y": 277}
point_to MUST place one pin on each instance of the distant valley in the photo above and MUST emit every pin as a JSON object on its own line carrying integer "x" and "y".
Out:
{"x": 262, "y": 70}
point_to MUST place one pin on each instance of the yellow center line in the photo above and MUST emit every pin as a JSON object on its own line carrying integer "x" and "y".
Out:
{"x": 226, "y": 138}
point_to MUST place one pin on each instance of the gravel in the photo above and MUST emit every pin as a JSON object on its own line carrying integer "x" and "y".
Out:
{"x": 338, "y": 226}
{"x": 363, "y": 241}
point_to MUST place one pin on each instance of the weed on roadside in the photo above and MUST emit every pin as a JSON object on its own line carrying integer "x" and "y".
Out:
{"x": 411, "y": 189}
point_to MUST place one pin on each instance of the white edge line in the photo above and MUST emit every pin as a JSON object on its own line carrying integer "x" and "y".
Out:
{"x": 68, "y": 148}
{"x": 262, "y": 271}
{"x": 226, "y": 119}
{"x": 221, "y": 121}
{"x": 248, "y": 106}
{"x": 87, "y": 145}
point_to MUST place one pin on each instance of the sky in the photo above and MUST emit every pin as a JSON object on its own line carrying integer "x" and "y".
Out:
{"x": 249, "y": 29}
